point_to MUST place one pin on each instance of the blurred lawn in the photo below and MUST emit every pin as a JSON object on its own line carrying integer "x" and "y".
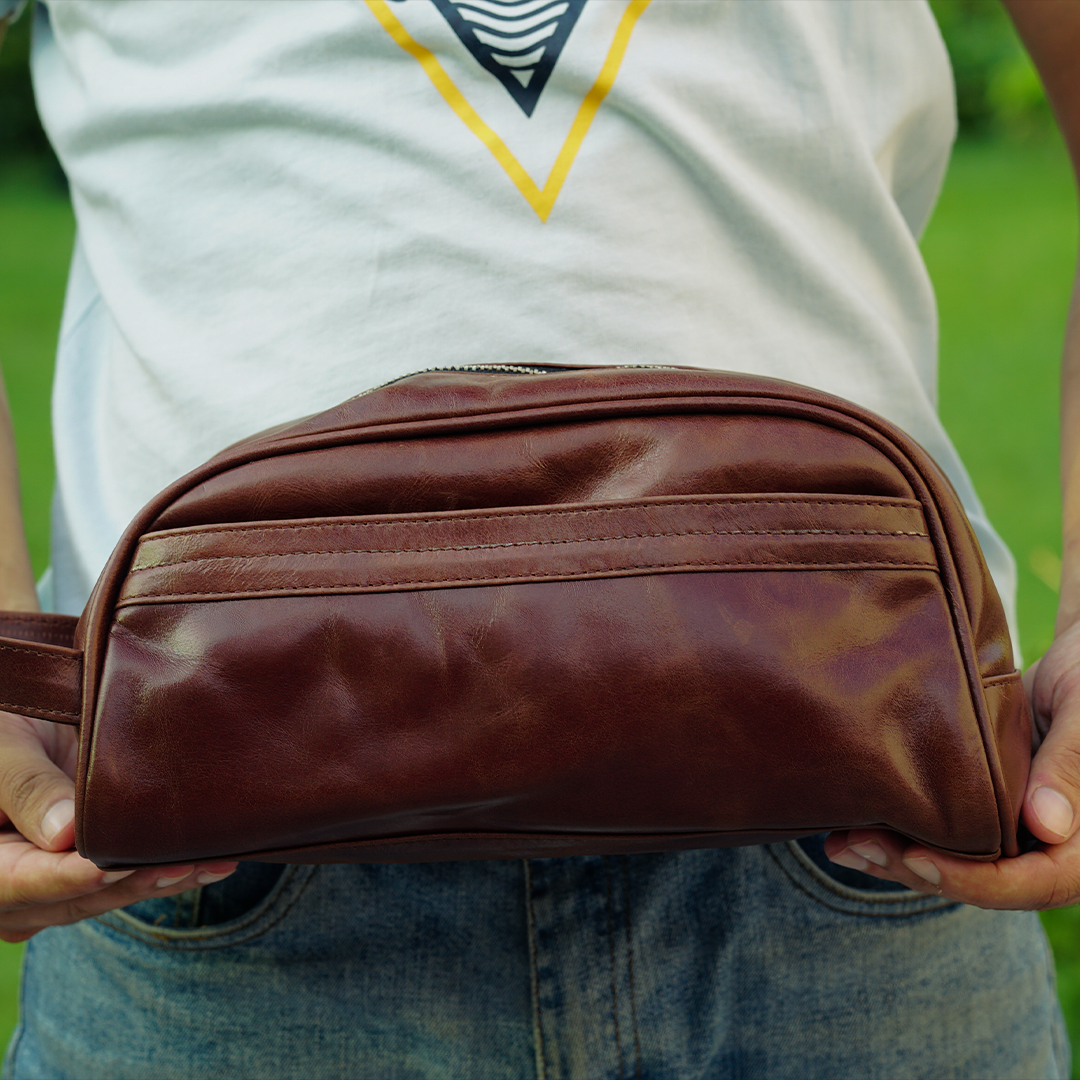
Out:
{"x": 1001, "y": 249}
{"x": 35, "y": 245}
{"x": 36, "y": 229}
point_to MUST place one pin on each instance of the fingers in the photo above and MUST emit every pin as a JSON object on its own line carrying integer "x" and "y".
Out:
{"x": 23, "y": 923}
{"x": 1053, "y": 791}
{"x": 40, "y": 888}
{"x": 42, "y": 882}
{"x": 1044, "y": 878}
{"x": 873, "y": 852}
{"x": 36, "y": 794}
{"x": 1041, "y": 879}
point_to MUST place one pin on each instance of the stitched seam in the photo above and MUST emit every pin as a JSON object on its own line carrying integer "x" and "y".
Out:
{"x": 816, "y": 874}
{"x": 42, "y": 619}
{"x": 538, "y": 1019}
{"x": 50, "y": 639}
{"x": 528, "y": 543}
{"x": 11, "y": 706}
{"x": 611, "y": 956}
{"x": 916, "y": 909}
{"x": 207, "y": 943}
{"x": 905, "y": 504}
{"x": 916, "y": 905}
{"x": 994, "y": 680}
{"x": 300, "y": 588}
{"x": 24, "y": 649}
{"x": 630, "y": 967}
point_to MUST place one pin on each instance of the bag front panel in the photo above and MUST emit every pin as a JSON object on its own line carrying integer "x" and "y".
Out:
{"x": 287, "y": 689}
{"x": 760, "y": 696}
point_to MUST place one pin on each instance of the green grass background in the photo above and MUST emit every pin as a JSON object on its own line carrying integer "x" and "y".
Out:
{"x": 1001, "y": 250}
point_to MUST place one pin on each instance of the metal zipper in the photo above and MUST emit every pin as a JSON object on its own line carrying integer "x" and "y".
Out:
{"x": 504, "y": 369}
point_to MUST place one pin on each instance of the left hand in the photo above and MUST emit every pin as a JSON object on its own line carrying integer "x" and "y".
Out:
{"x": 1047, "y": 877}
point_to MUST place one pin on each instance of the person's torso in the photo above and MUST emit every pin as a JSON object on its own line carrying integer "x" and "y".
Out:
{"x": 282, "y": 204}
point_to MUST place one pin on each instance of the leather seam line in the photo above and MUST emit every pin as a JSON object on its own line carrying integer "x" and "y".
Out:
{"x": 530, "y": 543}
{"x": 43, "y": 618}
{"x": 24, "y": 649}
{"x": 994, "y": 680}
{"x": 300, "y": 588}
{"x": 62, "y": 640}
{"x": 906, "y": 504}
{"x": 10, "y": 705}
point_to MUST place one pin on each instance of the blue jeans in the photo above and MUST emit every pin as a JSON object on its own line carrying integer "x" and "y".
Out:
{"x": 750, "y": 962}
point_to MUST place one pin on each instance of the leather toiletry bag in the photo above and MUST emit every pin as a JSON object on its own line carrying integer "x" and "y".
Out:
{"x": 508, "y": 612}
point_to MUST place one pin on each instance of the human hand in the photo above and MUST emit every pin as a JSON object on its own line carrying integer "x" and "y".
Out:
{"x": 42, "y": 881}
{"x": 1047, "y": 877}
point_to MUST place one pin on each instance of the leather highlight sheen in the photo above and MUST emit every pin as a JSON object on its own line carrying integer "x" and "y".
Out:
{"x": 498, "y": 615}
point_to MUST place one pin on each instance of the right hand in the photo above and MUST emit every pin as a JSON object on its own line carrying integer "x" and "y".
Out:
{"x": 43, "y": 882}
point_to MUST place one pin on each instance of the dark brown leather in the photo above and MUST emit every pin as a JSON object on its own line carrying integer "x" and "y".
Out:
{"x": 504, "y": 613}
{"x": 40, "y": 671}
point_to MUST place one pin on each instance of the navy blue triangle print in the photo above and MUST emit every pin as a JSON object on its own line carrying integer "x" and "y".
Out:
{"x": 518, "y": 41}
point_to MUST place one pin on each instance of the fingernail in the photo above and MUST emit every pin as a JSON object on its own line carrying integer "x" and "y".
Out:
{"x": 113, "y": 876}
{"x": 206, "y": 878}
{"x": 57, "y": 819}
{"x": 848, "y": 858}
{"x": 875, "y": 853}
{"x": 172, "y": 879}
{"x": 1053, "y": 810}
{"x": 924, "y": 868}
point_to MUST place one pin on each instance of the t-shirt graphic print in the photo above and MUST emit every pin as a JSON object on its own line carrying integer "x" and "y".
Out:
{"x": 518, "y": 41}
{"x": 525, "y": 76}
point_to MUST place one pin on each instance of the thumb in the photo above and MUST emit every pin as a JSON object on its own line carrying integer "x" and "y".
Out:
{"x": 1053, "y": 792}
{"x": 35, "y": 793}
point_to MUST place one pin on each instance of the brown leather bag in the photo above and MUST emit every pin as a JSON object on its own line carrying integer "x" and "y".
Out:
{"x": 520, "y": 612}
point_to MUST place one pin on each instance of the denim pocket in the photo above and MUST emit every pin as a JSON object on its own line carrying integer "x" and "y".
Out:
{"x": 805, "y": 864}
{"x": 242, "y": 906}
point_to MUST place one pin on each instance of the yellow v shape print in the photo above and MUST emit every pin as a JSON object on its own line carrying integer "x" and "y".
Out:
{"x": 541, "y": 199}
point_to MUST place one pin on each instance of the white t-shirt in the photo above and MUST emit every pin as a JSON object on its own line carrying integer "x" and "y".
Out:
{"x": 281, "y": 204}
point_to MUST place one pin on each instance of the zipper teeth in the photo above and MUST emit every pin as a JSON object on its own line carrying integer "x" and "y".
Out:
{"x": 503, "y": 369}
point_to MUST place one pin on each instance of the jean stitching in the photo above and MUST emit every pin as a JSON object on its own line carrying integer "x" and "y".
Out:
{"x": 862, "y": 896}
{"x": 630, "y": 966}
{"x": 234, "y": 936}
{"x": 914, "y": 904}
{"x": 611, "y": 955}
{"x": 538, "y": 1022}
{"x": 244, "y": 921}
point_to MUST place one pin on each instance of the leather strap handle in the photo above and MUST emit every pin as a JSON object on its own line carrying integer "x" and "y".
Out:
{"x": 40, "y": 668}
